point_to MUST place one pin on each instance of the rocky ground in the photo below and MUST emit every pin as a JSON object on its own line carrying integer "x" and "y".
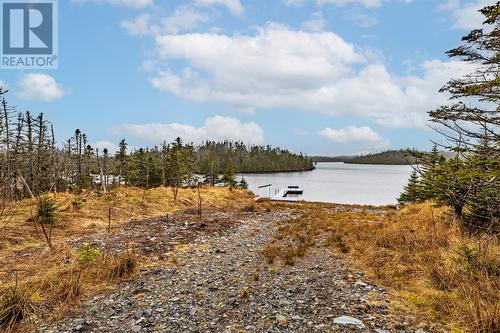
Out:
{"x": 211, "y": 277}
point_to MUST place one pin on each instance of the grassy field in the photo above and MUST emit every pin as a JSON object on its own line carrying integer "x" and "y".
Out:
{"x": 35, "y": 279}
{"x": 431, "y": 267}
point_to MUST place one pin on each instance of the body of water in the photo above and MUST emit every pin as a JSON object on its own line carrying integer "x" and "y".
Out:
{"x": 339, "y": 183}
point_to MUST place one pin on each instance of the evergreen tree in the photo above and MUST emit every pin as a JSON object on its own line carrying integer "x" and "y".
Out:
{"x": 429, "y": 162}
{"x": 471, "y": 182}
{"x": 412, "y": 191}
{"x": 243, "y": 183}
{"x": 228, "y": 178}
{"x": 450, "y": 183}
{"x": 121, "y": 155}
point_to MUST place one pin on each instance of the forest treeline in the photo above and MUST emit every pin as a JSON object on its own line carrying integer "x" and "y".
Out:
{"x": 470, "y": 181}
{"x": 216, "y": 157}
{"x": 32, "y": 163}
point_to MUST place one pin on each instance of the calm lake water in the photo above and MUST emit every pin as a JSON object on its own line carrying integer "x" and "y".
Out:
{"x": 339, "y": 183}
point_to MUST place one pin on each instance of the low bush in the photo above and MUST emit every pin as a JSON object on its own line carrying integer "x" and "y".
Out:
{"x": 270, "y": 252}
{"x": 16, "y": 305}
{"x": 46, "y": 210}
{"x": 249, "y": 208}
{"x": 88, "y": 254}
{"x": 289, "y": 256}
{"x": 121, "y": 267}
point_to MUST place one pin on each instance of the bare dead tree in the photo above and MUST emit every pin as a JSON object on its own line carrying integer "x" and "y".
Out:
{"x": 199, "y": 201}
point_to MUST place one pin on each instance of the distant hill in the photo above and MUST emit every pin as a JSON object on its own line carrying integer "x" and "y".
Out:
{"x": 394, "y": 157}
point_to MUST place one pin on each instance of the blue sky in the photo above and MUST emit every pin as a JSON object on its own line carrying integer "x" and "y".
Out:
{"x": 324, "y": 77}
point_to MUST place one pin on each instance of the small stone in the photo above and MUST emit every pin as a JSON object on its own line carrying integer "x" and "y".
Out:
{"x": 346, "y": 320}
{"x": 136, "y": 328}
{"x": 296, "y": 318}
{"x": 282, "y": 320}
{"x": 383, "y": 311}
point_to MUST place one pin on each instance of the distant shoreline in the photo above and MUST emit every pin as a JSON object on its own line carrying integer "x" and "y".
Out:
{"x": 276, "y": 171}
{"x": 312, "y": 169}
{"x": 374, "y": 163}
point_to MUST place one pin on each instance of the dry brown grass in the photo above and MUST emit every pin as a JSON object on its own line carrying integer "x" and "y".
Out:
{"x": 15, "y": 305}
{"x": 249, "y": 208}
{"x": 60, "y": 285}
{"x": 435, "y": 269}
{"x": 295, "y": 236}
{"x": 121, "y": 267}
{"x": 91, "y": 212}
{"x": 91, "y": 217}
{"x": 52, "y": 281}
{"x": 270, "y": 252}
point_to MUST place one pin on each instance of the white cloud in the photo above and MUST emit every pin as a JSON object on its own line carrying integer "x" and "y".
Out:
{"x": 3, "y": 85}
{"x": 184, "y": 18}
{"x": 234, "y": 6}
{"x": 138, "y": 26}
{"x": 38, "y": 86}
{"x": 276, "y": 56}
{"x": 125, "y": 3}
{"x": 466, "y": 16}
{"x": 366, "y": 3}
{"x": 110, "y": 146}
{"x": 169, "y": 82}
{"x": 363, "y": 137}
{"x": 282, "y": 68}
{"x": 215, "y": 128}
{"x": 317, "y": 23}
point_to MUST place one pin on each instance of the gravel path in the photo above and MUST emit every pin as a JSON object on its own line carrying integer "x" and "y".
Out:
{"x": 221, "y": 283}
